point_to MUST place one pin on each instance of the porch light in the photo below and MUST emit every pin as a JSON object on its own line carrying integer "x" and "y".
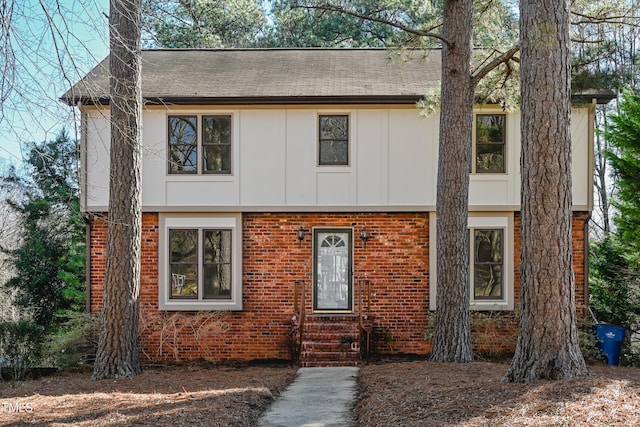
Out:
{"x": 364, "y": 236}
{"x": 301, "y": 233}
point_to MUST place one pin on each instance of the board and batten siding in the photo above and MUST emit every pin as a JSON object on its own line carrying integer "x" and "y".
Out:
{"x": 392, "y": 163}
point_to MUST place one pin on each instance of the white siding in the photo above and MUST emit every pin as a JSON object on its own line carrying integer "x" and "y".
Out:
{"x": 392, "y": 163}
{"x": 582, "y": 159}
{"x": 96, "y": 169}
{"x": 372, "y": 168}
{"x": 301, "y": 157}
{"x": 413, "y": 159}
{"x": 262, "y": 157}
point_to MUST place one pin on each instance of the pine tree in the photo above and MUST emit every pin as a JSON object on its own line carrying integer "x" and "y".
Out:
{"x": 49, "y": 260}
{"x": 624, "y": 137}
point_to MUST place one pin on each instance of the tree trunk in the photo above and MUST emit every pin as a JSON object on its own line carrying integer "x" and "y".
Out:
{"x": 452, "y": 334}
{"x": 117, "y": 355}
{"x": 548, "y": 345}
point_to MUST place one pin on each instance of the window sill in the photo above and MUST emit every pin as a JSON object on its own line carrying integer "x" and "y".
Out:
{"x": 490, "y": 306}
{"x": 172, "y": 305}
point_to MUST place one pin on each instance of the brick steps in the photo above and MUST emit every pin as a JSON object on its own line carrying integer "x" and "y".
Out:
{"x": 331, "y": 341}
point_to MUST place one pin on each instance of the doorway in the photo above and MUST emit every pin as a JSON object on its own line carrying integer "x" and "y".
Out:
{"x": 333, "y": 268}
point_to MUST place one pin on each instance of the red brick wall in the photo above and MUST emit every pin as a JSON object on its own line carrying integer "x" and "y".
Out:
{"x": 496, "y": 333}
{"x": 395, "y": 261}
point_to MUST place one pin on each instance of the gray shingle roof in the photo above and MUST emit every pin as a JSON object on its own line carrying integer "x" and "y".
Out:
{"x": 273, "y": 76}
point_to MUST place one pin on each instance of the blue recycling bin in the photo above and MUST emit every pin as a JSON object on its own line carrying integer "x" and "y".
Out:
{"x": 610, "y": 338}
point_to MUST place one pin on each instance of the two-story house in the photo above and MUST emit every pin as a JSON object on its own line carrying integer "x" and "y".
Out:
{"x": 289, "y": 202}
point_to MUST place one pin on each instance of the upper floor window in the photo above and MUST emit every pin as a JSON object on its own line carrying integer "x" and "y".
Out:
{"x": 200, "y": 144}
{"x": 333, "y": 143}
{"x": 490, "y": 143}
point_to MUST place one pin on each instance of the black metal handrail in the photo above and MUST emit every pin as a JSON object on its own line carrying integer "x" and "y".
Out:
{"x": 297, "y": 320}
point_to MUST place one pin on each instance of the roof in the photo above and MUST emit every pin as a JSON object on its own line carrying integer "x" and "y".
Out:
{"x": 601, "y": 96}
{"x": 267, "y": 76}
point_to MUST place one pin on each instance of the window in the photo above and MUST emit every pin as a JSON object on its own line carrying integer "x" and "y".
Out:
{"x": 487, "y": 267}
{"x": 203, "y": 261}
{"x": 211, "y": 142}
{"x": 200, "y": 262}
{"x": 333, "y": 144}
{"x": 490, "y": 143}
{"x": 491, "y": 252}
{"x": 183, "y": 144}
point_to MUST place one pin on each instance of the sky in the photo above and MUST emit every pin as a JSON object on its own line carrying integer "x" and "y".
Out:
{"x": 51, "y": 45}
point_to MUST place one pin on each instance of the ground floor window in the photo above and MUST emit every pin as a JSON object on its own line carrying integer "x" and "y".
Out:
{"x": 200, "y": 262}
{"x": 487, "y": 253}
{"x": 491, "y": 249}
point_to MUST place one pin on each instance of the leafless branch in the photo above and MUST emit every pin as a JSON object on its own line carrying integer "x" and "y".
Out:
{"x": 624, "y": 19}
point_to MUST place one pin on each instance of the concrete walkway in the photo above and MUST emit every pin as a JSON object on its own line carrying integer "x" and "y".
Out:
{"x": 317, "y": 397}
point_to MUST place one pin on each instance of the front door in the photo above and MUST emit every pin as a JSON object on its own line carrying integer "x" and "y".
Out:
{"x": 332, "y": 284}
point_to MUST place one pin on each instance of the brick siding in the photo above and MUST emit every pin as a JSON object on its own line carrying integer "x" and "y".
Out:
{"x": 395, "y": 261}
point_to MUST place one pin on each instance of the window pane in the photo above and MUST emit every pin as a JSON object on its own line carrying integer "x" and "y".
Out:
{"x": 217, "y": 263}
{"x": 217, "y": 158}
{"x": 334, "y": 140}
{"x": 183, "y": 248}
{"x": 184, "y": 281}
{"x": 490, "y": 128}
{"x": 183, "y": 144}
{"x": 217, "y": 246}
{"x": 334, "y": 152}
{"x": 489, "y": 158}
{"x": 488, "y": 253}
{"x": 216, "y": 130}
{"x": 217, "y": 281}
{"x": 333, "y": 127}
{"x": 183, "y": 159}
{"x": 488, "y": 281}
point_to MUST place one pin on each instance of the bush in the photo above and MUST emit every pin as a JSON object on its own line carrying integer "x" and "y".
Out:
{"x": 21, "y": 344}
{"x": 76, "y": 343}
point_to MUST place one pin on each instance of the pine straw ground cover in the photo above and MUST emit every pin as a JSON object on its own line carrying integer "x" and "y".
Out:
{"x": 392, "y": 393}
{"x": 169, "y": 396}
{"x": 423, "y": 393}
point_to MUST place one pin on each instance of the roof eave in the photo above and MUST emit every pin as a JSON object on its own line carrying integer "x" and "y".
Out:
{"x": 601, "y": 96}
{"x": 258, "y": 100}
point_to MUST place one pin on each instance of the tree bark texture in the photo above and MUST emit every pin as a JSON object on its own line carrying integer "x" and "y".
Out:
{"x": 548, "y": 345}
{"x": 118, "y": 355}
{"x": 452, "y": 333}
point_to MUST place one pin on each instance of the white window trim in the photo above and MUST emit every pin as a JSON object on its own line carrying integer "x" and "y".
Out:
{"x": 232, "y": 222}
{"x": 479, "y": 220}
